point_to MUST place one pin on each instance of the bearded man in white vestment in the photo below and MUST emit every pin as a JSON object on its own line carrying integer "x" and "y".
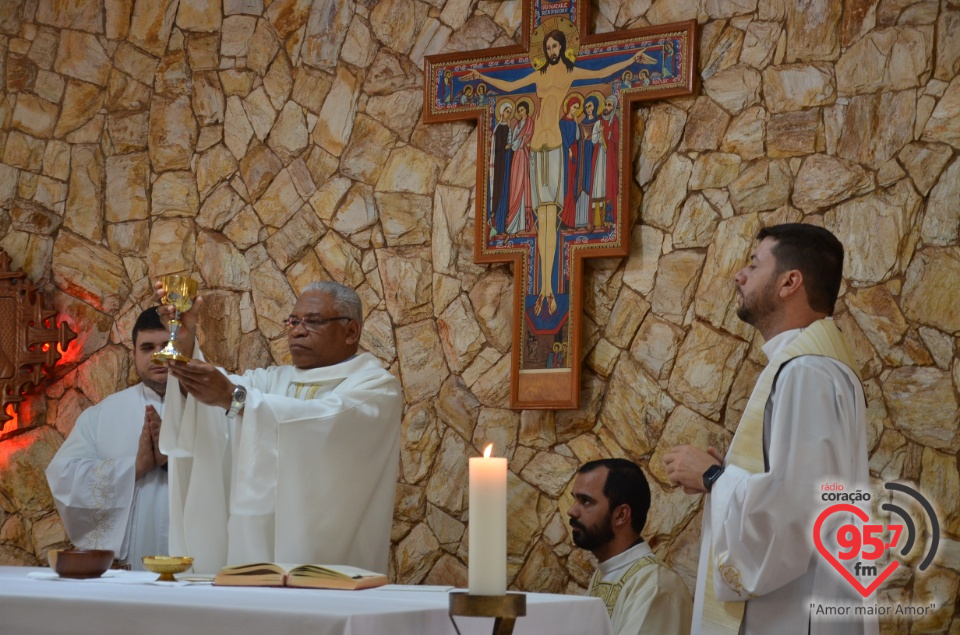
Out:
{"x": 109, "y": 478}
{"x": 291, "y": 464}
{"x": 808, "y": 417}
{"x": 611, "y": 499}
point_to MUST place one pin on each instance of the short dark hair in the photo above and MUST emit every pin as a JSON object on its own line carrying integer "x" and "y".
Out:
{"x": 625, "y": 485}
{"x": 149, "y": 320}
{"x": 816, "y": 253}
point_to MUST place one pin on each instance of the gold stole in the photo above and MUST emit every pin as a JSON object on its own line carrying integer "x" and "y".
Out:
{"x": 821, "y": 338}
{"x": 609, "y": 592}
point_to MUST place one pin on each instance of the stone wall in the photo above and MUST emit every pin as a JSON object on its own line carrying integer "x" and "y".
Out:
{"x": 261, "y": 145}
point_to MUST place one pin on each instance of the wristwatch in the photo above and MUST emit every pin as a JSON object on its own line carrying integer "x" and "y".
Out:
{"x": 236, "y": 401}
{"x": 711, "y": 475}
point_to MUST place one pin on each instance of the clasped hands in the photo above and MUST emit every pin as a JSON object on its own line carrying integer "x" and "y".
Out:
{"x": 198, "y": 378}
{"x": 686, "y": 464}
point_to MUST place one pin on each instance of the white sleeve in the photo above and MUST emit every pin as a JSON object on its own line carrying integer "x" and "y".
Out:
{"x": 94, "y": 495}
{"x": 762, "y": 523}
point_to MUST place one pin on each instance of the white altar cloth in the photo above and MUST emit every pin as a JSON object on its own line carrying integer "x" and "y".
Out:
{"x": 30, "y": 606}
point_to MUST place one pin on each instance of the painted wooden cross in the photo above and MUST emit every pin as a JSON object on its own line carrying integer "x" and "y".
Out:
{"x": 554, "y": 166}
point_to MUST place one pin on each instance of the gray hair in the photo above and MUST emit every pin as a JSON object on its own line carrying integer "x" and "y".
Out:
{"x": 345, "y": 299}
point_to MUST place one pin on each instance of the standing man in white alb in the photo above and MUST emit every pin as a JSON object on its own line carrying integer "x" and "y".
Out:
{"x": 291, "y": 464}
{"x": 804, "y": 425}
{"x": 109, "y": 478}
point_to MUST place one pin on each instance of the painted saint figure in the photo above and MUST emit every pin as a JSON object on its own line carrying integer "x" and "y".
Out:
{"x": 591, "y": 106}
{"x": 552, "y": 85}
{"x": 570, "y": 131}
{"x": 520, "y": 212}
{"x": 502, "y": 160}
{"x": 606, "y": 138}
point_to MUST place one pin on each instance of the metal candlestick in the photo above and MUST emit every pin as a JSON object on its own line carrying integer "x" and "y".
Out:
{"x": 504, "y": 608}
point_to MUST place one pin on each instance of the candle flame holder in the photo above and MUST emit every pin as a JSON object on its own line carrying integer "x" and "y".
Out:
{"x": 504, "y": 608}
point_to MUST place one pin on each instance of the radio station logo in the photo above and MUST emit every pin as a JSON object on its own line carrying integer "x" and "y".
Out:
{"x": 861, "y": 547}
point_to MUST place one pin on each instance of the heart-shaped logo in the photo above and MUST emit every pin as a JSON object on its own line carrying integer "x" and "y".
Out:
{"x": 862, "y": 515}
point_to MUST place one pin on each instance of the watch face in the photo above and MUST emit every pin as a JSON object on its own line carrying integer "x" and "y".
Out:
{"x": 239, "y": 393}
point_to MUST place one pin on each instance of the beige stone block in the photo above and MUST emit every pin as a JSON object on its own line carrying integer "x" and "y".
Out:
{"x": 940, "y": 481}
{"x": 56, "y": 162}
{"x": 923, "y": 406}
{"x": 220, "y": 264}
{"x": 492, "y": 300}
{"x": 936, "y": 588}
{"x": 117, "y": 18}
{"x": 81, "y": 101}
{"x": 258, "y": 168}
{"x": 219, "y": 207}
{"x": 877, "y": 313}
{"x": 294, "y": 239}
{"x": 813, "y": 30}
{"x": 127, "y": 180}
{"x": 30, "y": 252}
{"x": 125, "y": 94}
{"x": 252, "y": 7}
{"x": 271, "y": 293}
{"x": 327, "y": 28}
{"x": 151, "y": 24}
{"x": 135, "y": 63}
{"x": 406, "y": 274}
{"x": 128, "y": 132}
{"x": 655, "y": 346}
{"x": 677, "y": 277}
{"x": 260, "y": 112}
{"x": 570, "y": 425}
{"x": 335, "y": 123}
{"x": 357, "y": 212}
{"x": 635, "y": 408}
{"x": 627, "y": 314}
{"x": 173, "y": 134}
{"x": 199, "y": 15}
{"x": 421, "y": 360}
{"x": 208, "y": 98}
{"x": 215, "y": 166}
{"x": 237, "y": 82}
{"x": 662, "y": 132}
{"x": 714, "y": 170}
{"x": 697, "y": 223}
{"x": 410, "y": 170}
{"x": 289, "y": 135}
{"x": 603, "y": 357}
{"x": 278, "y": 81}
{"x": 824, "y": 181}
{"x": 81, "y": 56}
{"x": 85, "y": 201}
{"x": 868, "y": 141}
{"x": 23, "y": 151}
{"x": 924, "y": 162}
{"x": 34, "y": 116}
{"x": 27, "y": 217}
{"x": 875, "y": 256}
{"x": 523, "y": 501}
{"x": 759, "y": 43}
{"x": 666, "y": 193}
{"x": 128, "y": 239}
{"x": 173, "y": 76}
{"x": 263, "y": 48}
{"x": 9, "y": 177}
{"x": 448, "y": 530}
{"x": 641, "y": 266}
{"x": 49, "y": 86}
{"x": 885, "y": 59}
{"x": 457, "y": 407}
{"x": 665, "y": 11}
{"x": 492, "y": 383}
{"x": 721, "y": 53}
{"x": 765, "y": 185}
{"x": 795, "y": 134}
{"x": 923, "y": 298}
{"x": 941, "y": 222}
{"x": 396, "y": 23}
{"x": 50, "y": 193}
{"x": 89, "y": 272}
{"x": 670, "y": 510}
{"x": 287, "y": 16}
{"x": 243, "y": 228}
{"x": 172, "y": 246}
{"x": 84, "y": 15}
{"x": 449, "y": 223}
{"x": 705, "y": 126}
{"x": 328, "y": 196}
{"x": 405, "y": 218}
{"x": 340, "y": 259}
{"x": 944, "y": 123}
{"x": 236, "y": 35}
{"x": 746, "y": 134}
{"x": 687, "y": 427}
{"x": 734, "y": 88}
{"x": 497, "y": 427}
{"x": 798, "y": 86}
{"x": 947, "y": 54}
{"x": 175, "y": 194}
{"x": 280, "y": 201}
{"x": 705, "y": 368}
{"x": 203, "y": 51}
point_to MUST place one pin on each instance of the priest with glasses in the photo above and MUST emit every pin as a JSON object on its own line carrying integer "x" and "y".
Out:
{"x": 291, "y": 464}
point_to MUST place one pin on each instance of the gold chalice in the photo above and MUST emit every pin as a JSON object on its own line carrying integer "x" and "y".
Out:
{"x": 166, "y": 566}
{"x": 180, "y": 292}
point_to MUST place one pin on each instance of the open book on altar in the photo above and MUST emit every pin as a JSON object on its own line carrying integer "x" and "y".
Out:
{"x": 313, "y": 576}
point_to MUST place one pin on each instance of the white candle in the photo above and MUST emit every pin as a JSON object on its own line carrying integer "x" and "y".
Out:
{"x": 487, "y": 564}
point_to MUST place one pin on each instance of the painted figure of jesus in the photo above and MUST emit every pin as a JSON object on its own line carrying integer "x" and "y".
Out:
{"x": 552, "y": 84}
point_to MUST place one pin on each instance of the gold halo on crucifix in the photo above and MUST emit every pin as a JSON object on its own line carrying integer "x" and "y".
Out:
{"x": 537, "y": 56}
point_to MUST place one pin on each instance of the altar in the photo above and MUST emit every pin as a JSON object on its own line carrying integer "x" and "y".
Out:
{"x": 34, "y": 602}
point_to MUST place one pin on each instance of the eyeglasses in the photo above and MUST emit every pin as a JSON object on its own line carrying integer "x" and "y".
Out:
{"x": 312, "y": 324}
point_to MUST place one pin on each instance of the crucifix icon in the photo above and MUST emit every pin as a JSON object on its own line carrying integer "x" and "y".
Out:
{"x": 553, "y": 166}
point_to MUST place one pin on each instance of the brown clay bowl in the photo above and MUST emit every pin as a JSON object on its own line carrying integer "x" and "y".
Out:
{"x": 82, "y": 563}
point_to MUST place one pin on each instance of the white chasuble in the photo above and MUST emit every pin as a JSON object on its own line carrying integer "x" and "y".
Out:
{"x": 808, "y": 428}
{"x": 93, "y": 480}
{"x": 641, "y": 594}
{"x": 306, "y": 473}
